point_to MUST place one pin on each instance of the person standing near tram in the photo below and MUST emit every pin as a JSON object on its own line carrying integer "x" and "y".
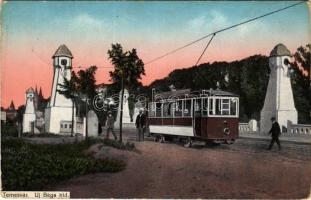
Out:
{"x": 140, "y": 125}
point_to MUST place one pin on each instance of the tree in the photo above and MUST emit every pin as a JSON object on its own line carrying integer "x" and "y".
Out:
{"x": 301, "y": 83}
{"x": 128, "y": 68}
{"x": 247, "y": 78}
{"x": 80, "y": 85}
{"x": 86, "y": 87}
{"x": 20, "y": 116}
{"x": 87, "y": 82}
{"x": 70, "y": 89}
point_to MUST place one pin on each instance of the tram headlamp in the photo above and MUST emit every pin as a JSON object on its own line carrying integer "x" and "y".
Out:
{"x": 226, "y": 131}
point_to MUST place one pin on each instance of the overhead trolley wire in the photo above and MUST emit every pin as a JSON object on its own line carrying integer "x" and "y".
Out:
{"x": 205, "y": 49}
{"x": 221, "y": 30}
{"x": 86, "y": 67}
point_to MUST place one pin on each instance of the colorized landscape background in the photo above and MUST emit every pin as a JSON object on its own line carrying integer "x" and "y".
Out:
{"x": 32, "y": 31}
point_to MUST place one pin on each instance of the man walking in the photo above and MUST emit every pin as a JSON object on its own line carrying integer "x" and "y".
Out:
{"x": 110, "y": 125}
{"x": 140, "y": 125}
{"x": 275, "y": 132}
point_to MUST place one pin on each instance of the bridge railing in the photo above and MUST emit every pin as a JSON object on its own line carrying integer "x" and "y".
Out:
{"x": 298, "y": 129}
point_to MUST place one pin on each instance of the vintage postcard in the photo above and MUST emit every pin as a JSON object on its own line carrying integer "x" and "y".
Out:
{"x": 155, "y": 99}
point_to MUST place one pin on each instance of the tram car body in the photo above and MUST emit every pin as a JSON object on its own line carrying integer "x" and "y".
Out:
{"x": 210, "y": 115}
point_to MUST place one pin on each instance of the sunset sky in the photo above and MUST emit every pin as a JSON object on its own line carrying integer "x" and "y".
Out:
{"x": 32, "y": 31}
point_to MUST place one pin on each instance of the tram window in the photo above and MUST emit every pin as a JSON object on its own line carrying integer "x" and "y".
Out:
{"x": 233, "y": 106}
{"x": 204, "y": 107}
{"x": 197, "y": 105}
{"x": 158, "y": 109}
{"x": 167, "y": 109}
{"x": 218, "y": 107}
{"x": 225, "y": 112}
{"x": 187, "y": 108}
{"x": 171, "y": 108}
{"x": 178, "y": 109}
{"x": 152, "y": 110}
{"x": 225, "y": 107}
{"x": 211, "y": 106}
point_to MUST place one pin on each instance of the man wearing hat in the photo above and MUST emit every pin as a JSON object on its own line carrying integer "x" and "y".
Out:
{"x": 275, "y": 132}
{"x": 110, "y": 125}
{"x": 140, "y": 125}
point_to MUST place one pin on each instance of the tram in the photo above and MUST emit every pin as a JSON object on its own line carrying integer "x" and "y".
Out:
{"x": 209, "y": 115}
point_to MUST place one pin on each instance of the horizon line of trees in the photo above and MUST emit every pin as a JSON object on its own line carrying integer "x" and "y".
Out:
{"x": 247, "y": 78}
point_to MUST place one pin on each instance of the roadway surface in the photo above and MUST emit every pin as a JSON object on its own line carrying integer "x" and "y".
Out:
{"x": 244, "y": 169}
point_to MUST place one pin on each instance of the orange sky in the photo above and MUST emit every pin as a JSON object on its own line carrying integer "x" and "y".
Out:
{"x": 33, "y": 31}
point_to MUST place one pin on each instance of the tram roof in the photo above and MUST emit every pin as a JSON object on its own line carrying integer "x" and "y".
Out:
{"x": 188, "y": 93}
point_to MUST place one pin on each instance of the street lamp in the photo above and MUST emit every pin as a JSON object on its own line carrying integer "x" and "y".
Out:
{"x": 86, "y": 99}
{"x": 121, "y": 107}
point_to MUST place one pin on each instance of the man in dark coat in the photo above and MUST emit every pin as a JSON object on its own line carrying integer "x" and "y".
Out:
{"x": 140, "y": 125}
{"x": 110, "y": 125}
{"x": 275, "y": 132}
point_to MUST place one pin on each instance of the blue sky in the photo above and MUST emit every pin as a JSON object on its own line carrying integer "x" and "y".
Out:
{"x": 32, "y": 31}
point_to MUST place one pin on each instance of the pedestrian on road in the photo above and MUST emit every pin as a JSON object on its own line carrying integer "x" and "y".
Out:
{"x": 110, "y": 125}
{"x": 100, "y": 130}
{"x": 275, "y": 132}
{"x": 140, "y": 125}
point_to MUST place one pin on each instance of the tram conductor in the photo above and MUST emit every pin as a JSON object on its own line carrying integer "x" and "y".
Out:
{"x": 275, "y": 132}
{"x": 140, "y": 125}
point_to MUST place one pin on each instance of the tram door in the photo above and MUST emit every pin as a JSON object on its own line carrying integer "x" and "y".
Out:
{"x": 197, "y": 117}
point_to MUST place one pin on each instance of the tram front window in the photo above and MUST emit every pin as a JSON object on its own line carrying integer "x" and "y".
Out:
{"x": 233, "y": 106}
{"x": 205, "y": 106}
{"x": 187, "y": 108}
{"x": 220, "y": 106}
{"x": 178, "y": 109}
{"x": 225, "y": 110}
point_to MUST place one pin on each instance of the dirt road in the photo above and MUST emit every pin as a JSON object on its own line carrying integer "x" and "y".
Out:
{"x": 242, "y": 170}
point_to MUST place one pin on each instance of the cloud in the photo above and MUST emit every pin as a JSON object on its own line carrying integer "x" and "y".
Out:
{"x": 208, "y": 22}
{"x": 86, "y": 22}
{"x": 251, "y": 28}
{"x": 216, "y": 20}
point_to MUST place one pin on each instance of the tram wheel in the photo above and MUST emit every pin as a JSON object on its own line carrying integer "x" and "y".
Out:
{"x": 156, "y": 138}
{"x": 211, "y": 143}
{"x": 162, "y": 139}
{"x": 229, "y": 141}
{"x": 189, "y": 143}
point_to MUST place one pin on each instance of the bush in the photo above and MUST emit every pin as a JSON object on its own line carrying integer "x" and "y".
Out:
{"x": 28, "y": 166}
{"x": 50, "y": 135}
{"x": 116, "y": 144}
{"x": 9, "y": 129}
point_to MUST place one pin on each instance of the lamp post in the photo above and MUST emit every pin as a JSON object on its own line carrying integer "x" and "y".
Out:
{"x": 86, "y": 118}
{"x": 121, "y": 107}
{"x": 152, "y": 94}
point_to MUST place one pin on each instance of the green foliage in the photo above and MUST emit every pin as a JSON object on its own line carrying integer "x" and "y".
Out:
{"x": 119, "y": 145}
{"x": 70, "y": 88}
{"x": 247, "y": 78}
{"x": 45, "y": 135}
{"x": 86, "y": 82}
{"x": 127, "y": 65}
{"x": 28, "y": 166}
{"x": 9, "y": 129}
{"x": 80, "y": 85}
{"x": 302, "y": 84}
